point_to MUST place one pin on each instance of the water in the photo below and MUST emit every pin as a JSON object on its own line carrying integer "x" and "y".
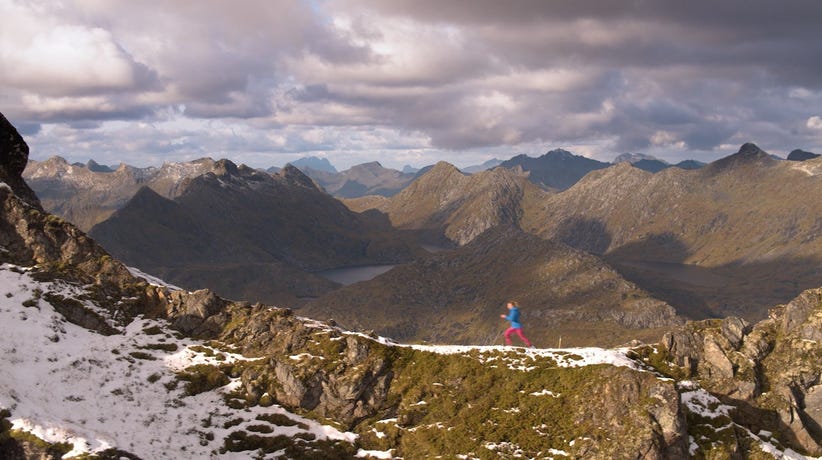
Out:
{"x": 351, "y": 275}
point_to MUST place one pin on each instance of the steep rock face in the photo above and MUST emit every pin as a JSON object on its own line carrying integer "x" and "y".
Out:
{"x": 14, "y": 154}
{"x": 771, "y": 371}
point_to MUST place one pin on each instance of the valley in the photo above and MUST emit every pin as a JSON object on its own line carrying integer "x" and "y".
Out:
{"x": 687, "y": 237}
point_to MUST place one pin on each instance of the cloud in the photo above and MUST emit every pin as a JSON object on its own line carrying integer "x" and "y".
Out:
{"x": 348, "y": 77}
{"x": 44, "y": 56}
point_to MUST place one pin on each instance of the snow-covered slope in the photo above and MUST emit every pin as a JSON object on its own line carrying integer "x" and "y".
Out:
{"x": 66, "y": 384}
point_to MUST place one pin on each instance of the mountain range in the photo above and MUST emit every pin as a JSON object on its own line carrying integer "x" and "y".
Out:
{"x": 247, "y": 234}
{"x": 360, "y": 180}
{"x": 733, "y": 237}
{"x": 99, "y": 363}
{"x": 87, "y": 194}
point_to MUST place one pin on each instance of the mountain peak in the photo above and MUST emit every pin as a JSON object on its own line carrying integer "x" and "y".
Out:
{"x": 750, "y": 149}
{"x": 634, "y": 157}
{"x": 801, "y": 155}
{"x": 315, "y": 163}
{"x": 93, "y": 166}
{"x": 293, "y": 174}
{"x": 559, "y": 153}
{"x": 225, "y": 167}
{"x": 371, "y": 165}
{"x": 749, "y": 153}
{"x": 14, "y": 154}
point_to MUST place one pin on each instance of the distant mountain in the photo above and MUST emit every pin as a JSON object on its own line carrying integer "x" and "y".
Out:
{"x": 557, "y": 169}
{"x": 93, "y": 166}
{"x": 315, "y": 163}
{"x": 457, "y": 296}
{"x": 87, "y": 195}
{"x": 689, "y": 164}
{"x": 492, "y": 163}
{"x": 652, "y": 166}
{"x": 634, "y": 158}
{"x": 247, "y": 235}
{"x": 361, "y": 180}
{"x": 408, "y": 169}
{"x": 801, "y": 155}
{"x": 447, "y": 205}
{"x": 730, "y": 238}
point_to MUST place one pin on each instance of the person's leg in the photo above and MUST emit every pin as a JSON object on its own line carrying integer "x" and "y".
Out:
{"x": 508, "y": 333}
{"x": 522, "y": 336}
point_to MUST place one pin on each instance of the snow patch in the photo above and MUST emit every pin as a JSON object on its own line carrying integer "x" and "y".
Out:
{"x": 152, "y": 280}
{"x": 72, "y": 385}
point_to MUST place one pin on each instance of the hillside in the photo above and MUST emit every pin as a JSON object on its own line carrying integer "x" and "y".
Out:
{"x": 87, "y": 195}
{"x": 98, "y": 363}
{"x": 456, "y": 296}
{"x": 449, "y": 206}
{"x": 247, "y": 235}
{"x": 361, "y": 180}
{"x": 731, "y": 238}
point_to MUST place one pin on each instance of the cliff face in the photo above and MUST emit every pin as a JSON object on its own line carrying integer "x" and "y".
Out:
{"x": 769, "y": 372}
{"x": 14, "y": 154}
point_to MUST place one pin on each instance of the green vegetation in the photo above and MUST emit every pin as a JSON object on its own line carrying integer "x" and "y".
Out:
{"x": 54, "y": 450}
{"x": 169, "y": 347}
{"x": 281, "y": 420}
{"x": 296, "y": 448}
{"x": 142, "y": 355}
{"x": 153, "y": 330}
{"x": 202, "y": 377}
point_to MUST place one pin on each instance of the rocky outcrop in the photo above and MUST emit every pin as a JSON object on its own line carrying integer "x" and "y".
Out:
{"x": 345, "y": 378}
{"x": 771, "y": 371}
{"x": 14, "y": 154}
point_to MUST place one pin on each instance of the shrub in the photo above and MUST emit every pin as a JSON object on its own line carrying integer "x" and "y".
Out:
{"x": 202, "y": 378}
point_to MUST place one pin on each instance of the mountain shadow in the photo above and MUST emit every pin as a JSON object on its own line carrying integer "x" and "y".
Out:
{"x": 745, "y": 289}
{"x": 456, "y": 296}
{"x": 249, "y": 235}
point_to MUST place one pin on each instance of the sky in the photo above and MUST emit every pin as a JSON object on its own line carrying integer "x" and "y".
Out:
{"x": 409, "y": 81}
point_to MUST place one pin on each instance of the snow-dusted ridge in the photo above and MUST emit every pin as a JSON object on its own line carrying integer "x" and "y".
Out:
{"x": 66, "y": 384}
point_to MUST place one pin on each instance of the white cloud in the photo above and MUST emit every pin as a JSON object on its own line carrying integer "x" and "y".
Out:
{"x": 814, "y": 122}
{"x": 39, "y": 53}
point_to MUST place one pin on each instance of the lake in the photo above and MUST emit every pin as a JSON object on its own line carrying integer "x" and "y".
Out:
{"x": 351, "y": 275}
